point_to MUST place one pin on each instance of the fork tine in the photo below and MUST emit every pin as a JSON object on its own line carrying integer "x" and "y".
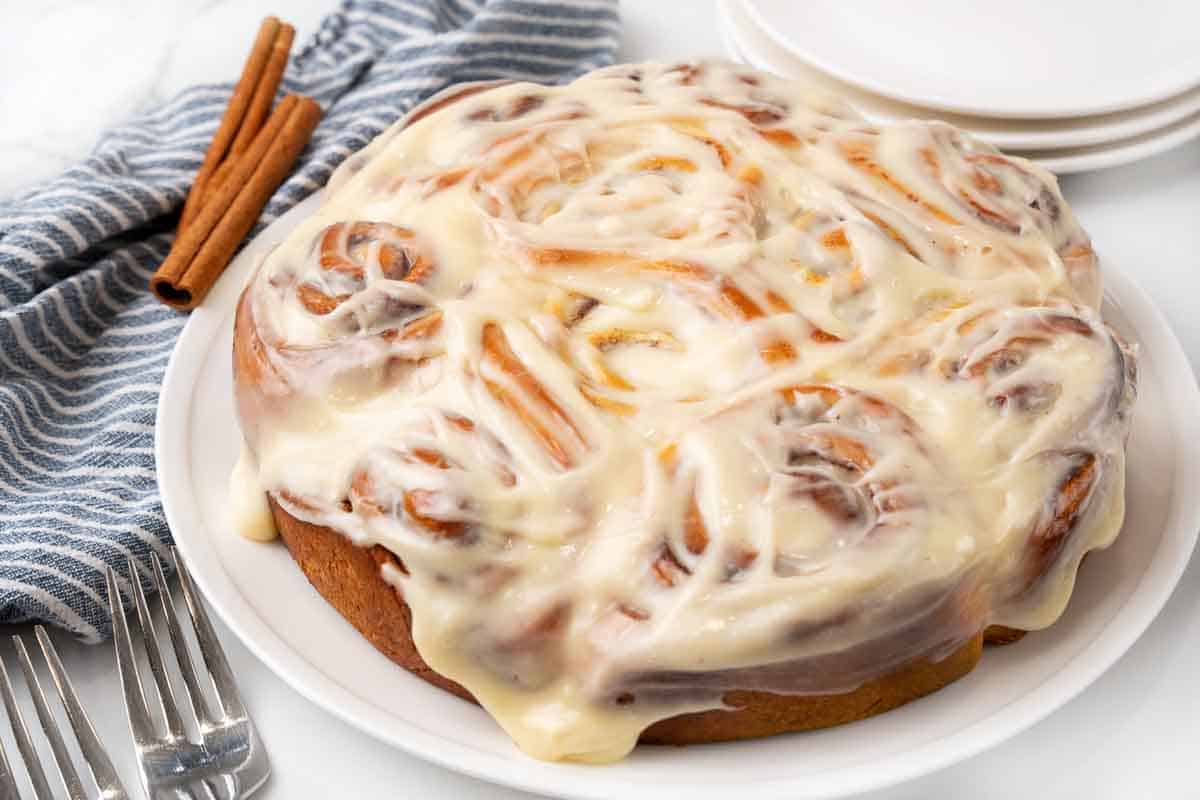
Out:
{"x": 135, "y": 701}
{"x": 200, "y": 705}
{"x": 210, "y": 646}
{"x": 8, "y": 783}
{"x": 66, "y": 769}
{"x": 186, "y": 667}
{"x": 166, "y": 695}
{"x": 94, "y": 754}
{"x": 209, "y": 789}
{"x": 33, "y": 764}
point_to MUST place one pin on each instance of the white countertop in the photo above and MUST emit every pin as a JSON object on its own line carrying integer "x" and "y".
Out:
{"x": 1132, "y": 734}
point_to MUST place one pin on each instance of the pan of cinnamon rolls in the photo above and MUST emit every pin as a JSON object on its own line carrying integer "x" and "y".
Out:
{"x": 679, "y": 404}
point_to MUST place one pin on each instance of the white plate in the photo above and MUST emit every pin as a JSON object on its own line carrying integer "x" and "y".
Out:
{"x": 266, "y": 601}
{"x": 748, "y": 43}
{"x": 1126, "y": 151}
{"x": 1020, "y": 58}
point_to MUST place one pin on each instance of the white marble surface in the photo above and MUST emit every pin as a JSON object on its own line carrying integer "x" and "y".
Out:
{"x": 69, "y": 68}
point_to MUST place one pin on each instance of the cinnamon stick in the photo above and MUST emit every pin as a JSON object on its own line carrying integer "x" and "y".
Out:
{"x": 205, "y": 247}
{"x": 256, "y": 113}
{"x": 264, "y": 92}
{"x": 239, "y": 104}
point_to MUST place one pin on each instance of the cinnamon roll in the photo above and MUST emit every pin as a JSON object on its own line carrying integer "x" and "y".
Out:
{"x": 680, "y": 404}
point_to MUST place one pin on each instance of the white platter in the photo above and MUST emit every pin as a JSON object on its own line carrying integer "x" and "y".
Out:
{"x": 1022, "y": 58}
{"x": 748, "y": 43}
{"x": 266, "y": 601}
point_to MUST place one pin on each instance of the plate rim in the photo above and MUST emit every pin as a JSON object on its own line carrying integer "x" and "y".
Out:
{"x": 1163, "y": 90}
{"x": 1118, "y": 152}
{"x": 1165, "y": 568}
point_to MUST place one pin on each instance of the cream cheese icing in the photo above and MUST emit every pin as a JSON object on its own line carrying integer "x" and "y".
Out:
{"x": 683, "y": 379}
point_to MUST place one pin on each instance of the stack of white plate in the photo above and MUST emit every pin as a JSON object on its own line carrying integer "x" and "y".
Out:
{"x": 1072, "y": 84}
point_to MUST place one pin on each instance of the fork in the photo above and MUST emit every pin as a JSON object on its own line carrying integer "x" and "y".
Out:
{"x": 97, "y": 760}
{"x": 229, "y": 762}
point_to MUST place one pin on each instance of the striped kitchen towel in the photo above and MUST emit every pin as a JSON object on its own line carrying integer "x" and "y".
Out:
{"x": 83, "y": 345}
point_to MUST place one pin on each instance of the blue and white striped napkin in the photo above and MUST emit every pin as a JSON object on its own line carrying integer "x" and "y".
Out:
{"x": 83, "y": 345}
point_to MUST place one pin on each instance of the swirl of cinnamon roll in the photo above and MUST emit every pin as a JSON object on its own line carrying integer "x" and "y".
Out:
{"x": 1053, "y": 386}
{"x": 963, "y": 207}
{"x": 819, "y": 451}
{"x": 355, "y": 309}
{"x": 816, "y": 485}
